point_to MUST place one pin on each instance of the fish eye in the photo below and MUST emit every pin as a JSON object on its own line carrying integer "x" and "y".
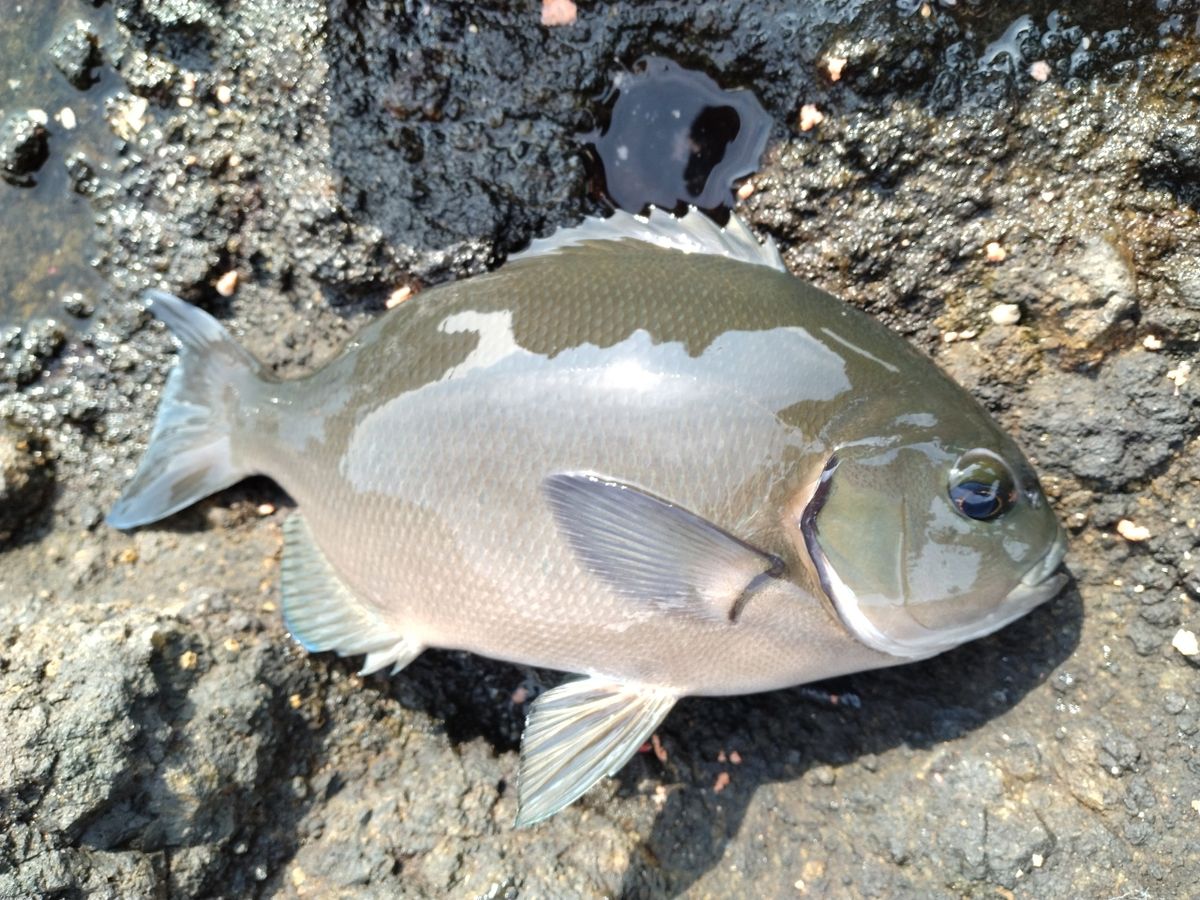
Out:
{"x": 982, "y": 486}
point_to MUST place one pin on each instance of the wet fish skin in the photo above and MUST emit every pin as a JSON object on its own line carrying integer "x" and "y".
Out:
{"x": 455, "y": 452}
{"x": 598, "y": 459}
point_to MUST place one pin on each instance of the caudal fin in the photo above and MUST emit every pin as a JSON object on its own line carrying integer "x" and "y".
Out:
{"x": 189, "y": 455}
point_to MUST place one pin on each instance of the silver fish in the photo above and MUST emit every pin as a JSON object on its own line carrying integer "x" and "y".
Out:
{"x": 641, "y": 452}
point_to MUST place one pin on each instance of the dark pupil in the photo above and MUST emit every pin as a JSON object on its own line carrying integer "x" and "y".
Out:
{"x": 981, "y": 486}
{"x": 977, "y": 500}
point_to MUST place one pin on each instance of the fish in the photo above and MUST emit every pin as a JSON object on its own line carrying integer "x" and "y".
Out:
{"x": 640, "y": 452}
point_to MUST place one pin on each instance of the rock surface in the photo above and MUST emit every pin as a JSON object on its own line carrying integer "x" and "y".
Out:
{"x": 161, "y": 736}
{"x": 23, "y": 148}
{"x": 76, "y": 54}
{"x": 24, "y": 483}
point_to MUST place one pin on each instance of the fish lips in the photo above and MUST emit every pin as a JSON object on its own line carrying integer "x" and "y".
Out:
{"x": 1040, "y": 583}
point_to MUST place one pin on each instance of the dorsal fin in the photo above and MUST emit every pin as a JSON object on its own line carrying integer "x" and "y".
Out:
{"x": 694, "y": 233}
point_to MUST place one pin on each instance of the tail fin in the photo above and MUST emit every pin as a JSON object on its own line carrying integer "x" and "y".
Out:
{"x": 189, "y": 455}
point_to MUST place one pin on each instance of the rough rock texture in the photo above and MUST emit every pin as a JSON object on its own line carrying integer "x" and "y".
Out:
{"x": 76, "y": 54}
{"x": 160, "y": 735}
{"x": 23, "y": 148}
{"x": 24, "y": 482}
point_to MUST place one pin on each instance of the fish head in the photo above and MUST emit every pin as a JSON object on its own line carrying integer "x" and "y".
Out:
{"x": 922, "y": 544}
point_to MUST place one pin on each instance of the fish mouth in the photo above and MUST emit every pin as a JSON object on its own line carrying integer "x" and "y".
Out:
{"x": 1048, "y": 564}
{"x": 1042, "y": 581}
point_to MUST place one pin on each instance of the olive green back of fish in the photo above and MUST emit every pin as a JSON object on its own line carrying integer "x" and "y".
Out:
{"x": 600, "y": 294}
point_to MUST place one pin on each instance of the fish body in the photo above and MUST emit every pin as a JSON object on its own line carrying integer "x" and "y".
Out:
{"x": 641, "y": 452}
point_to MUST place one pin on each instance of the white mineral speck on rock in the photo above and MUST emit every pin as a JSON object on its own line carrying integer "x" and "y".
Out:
{"x": 1005, "y": 314}
{"x": 810, "y": 117}
{"x": 1152, "y": 343}
{"x": 227, "y": 283}
{"x": 1179, "y": 375}
{"x": 1040, "y": 70}
{"x": 130, "y": 116}
{"x": 834, "y": 65}
{"x": 1185, "y": 642}
{"x": 224, "y": 94}
{"x": 398, "y": 296}
{"x": 1132, "y": 532}
{"x": 66, "y": 117}
{"x": 558, "y": 12}
{"x": 994, "y": 252}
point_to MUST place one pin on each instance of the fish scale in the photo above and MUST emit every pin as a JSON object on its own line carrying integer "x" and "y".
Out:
{"x": 640, "y": 452}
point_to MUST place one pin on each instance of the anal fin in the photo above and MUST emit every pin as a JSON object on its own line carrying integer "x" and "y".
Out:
{"x": 323, "y": 614}
{"x": 578, "y": 733}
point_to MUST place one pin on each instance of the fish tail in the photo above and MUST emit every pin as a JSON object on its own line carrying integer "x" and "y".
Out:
{"x": 191, "y": 453}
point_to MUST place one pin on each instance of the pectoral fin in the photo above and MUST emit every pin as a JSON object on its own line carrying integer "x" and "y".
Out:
{"x": 578, "y": 733}
{"x": 323, "y": 614}
{"x": 652, "y": 551}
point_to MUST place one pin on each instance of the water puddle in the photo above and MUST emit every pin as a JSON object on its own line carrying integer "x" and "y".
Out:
{"x": 675, "y": 138}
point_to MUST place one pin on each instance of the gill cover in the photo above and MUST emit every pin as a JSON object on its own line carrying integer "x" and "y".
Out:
{"x": 921, "y": 547}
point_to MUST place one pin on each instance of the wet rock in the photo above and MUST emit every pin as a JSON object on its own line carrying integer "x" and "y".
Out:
{"x": 888, "y": 50}
{"x": 25, "y": 352}
{"x": 78, "y": 305}
{"x": 25, "y": 480}
{"x": 75, "y": 51}
{"x": 1177, "y": 317}
{"x": 1174, "y": 162}
{"x": 1114, "y": 429}
{"x": 148, "y": 75}
{"x": 23, "y": 148}
{"x": 81, "y": 175}
{"x": 174, "y": 14}
{"x": 185, "y": 27}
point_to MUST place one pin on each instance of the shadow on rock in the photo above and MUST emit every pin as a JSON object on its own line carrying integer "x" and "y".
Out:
{"x": 26, "y": 486}
{"x": 471, "y": 696}
{"x": 781, "y": 736}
